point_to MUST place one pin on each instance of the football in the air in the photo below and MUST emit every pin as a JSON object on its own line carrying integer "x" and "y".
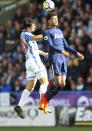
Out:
{"x": 48, "y": 5}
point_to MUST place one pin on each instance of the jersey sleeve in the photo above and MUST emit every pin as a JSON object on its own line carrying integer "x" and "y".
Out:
{"x": 68, "y": 48}
{"x": 28, "y": 36}
{"x": 46, "y": 38}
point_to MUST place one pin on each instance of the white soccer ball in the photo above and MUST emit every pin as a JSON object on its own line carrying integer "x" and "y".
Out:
{"x": 48, "y": 5}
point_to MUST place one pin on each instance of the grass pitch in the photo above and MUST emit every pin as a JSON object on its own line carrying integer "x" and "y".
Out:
{"x": 45, "y": 128}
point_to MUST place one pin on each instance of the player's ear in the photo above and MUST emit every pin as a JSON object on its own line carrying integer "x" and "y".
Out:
{"x": 48, "y": 21}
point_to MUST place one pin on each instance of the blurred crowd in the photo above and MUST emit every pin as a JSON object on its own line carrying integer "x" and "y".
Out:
{"x": 75, "y": 20}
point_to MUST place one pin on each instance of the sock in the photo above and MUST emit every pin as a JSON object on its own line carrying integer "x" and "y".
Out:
{"x": 24, "y": 96}
{"x": 53, "y": 93}
{"x": 49, "y": 91}
{"x": 42, "y": 89}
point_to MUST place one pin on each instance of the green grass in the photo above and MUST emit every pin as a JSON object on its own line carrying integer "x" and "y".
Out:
{"x": 45, "y": 128}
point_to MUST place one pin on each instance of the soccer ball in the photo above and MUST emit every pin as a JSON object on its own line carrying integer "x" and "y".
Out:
{"x": 48, "y": 5}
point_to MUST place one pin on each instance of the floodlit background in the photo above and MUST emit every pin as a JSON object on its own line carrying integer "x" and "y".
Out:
{"x": 73, "y": 105}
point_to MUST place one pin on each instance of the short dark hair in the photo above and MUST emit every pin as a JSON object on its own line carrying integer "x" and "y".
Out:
{"x": 51, "y": 14}
{"x": 27, "y": 22}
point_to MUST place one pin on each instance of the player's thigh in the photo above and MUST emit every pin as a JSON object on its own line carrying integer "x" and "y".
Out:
{"x": 63, "y": 80}
{"x": 57, "y": 80}
{"x": 30, "y": 85}
{"x": 60, "y": 80}
{"x": 42, "y": 76}
{"x": 44, "y": 81}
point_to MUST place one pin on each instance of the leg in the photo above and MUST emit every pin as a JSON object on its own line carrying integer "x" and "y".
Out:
{"x": 44, "y": 84}
{"x": 59, "y": 83}
{"x": 63, "y": 81}
{"x": 55, "y": 87}
{"x": 25, "y": 94}
{"x": 43, "y": 79}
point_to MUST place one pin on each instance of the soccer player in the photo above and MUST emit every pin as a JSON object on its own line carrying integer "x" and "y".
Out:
{"x": 34, "y": 66}
{"x": 57, "y": 52}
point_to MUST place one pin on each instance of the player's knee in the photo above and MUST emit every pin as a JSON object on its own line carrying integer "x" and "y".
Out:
{"x": 63, "y": 84}
{"x": 58, "y": 84}
{"x": 45, "y": 82}
{"x": 30, "y": 88}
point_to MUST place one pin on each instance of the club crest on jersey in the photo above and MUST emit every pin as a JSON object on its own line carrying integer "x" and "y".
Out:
{"x": 57, "y": 36}
{"x": 46, "y": 38}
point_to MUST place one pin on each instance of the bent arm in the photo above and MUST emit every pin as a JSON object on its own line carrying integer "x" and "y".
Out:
{"x": 43, "y": 53}
{"x": 68, "y": 48}
{"x": 37, "y": 37}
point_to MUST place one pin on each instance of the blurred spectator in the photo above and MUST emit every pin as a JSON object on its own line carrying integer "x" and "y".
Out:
{"x": 17, "y": 27}
{"x": 87, "y": 7}
{"x": 89, "y": 30}
{"x": 7, "y": 77}
{"x": 80, "y": 84}
{"x": 90, "y": 72}
{"x": 22, "y": 78}
{"x": 80, "y": 26}
{"x": 89, "y": 55}
{"x": 9, "y": 43}
{"x": 10, "y": 28}
{"x": 17, "y": 52}
{"x": 89, "y": 83}
{"x": 1, "y": 71}
{"x": 72, "y": 70}
{"x": 32, "y": 10}
{"x": 10, "y": 67}
{"x": 5, "y": 65}
{"x": 18, "y": 16}
{"x": 4, "y": 87}
{"x": 18, "y": 68}
{"x": 2, "y": 42}
{"x": 2, "y": 29}
{"x": 13, "y": 77}
{"x": 85, "y": 38}
{"x": 17, "y": 86}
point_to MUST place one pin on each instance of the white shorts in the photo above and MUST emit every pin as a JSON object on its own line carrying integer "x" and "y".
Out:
{"x": 35, "y": 71}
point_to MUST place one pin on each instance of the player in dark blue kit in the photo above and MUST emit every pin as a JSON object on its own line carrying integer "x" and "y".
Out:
{"x": 57, "y": 58}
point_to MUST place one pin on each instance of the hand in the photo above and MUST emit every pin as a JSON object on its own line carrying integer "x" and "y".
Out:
{"x": 81, "y": 57}
{"x": 46, "y": 54}
{"x": 66, "y": 54}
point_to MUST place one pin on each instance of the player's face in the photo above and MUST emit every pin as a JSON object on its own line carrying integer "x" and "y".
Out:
{"x": 33, "y": 27}
{"x": 53, "y": 21}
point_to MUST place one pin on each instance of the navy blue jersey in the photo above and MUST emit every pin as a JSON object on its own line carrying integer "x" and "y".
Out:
{"x": 57, "y": 43}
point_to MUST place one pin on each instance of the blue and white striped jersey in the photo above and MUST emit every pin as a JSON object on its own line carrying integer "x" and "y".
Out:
{"x": 30, "y": 47}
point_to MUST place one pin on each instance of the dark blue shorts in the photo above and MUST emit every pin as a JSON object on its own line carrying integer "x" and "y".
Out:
{"x": 59, "y": 66}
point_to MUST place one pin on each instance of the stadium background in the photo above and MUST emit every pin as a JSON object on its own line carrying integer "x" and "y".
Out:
{"x": 75, "y": 18}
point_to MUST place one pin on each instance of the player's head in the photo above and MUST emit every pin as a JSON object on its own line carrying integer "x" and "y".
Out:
{"x": 52, "y": 19}
{"x": 28, "y": 23}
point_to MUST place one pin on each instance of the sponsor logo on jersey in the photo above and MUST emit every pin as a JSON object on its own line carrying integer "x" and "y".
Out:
{"x": 58, "y": 36}
{"x": 46, "y": 38}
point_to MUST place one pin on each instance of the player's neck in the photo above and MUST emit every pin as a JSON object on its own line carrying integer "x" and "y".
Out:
{"x": 27, "y": 30}
{"x": 50, "y": 26}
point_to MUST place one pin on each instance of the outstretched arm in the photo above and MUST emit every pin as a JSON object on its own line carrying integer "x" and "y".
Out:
{"x": 37, "y": 37}
{"x": 67, "y": 47}
{"x": 43, "y": 53}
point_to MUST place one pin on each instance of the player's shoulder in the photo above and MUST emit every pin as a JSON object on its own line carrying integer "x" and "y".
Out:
{"x": 46, "y": 30}
{"x": 25, "y": 33}
{"x": 58, "y": 29}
